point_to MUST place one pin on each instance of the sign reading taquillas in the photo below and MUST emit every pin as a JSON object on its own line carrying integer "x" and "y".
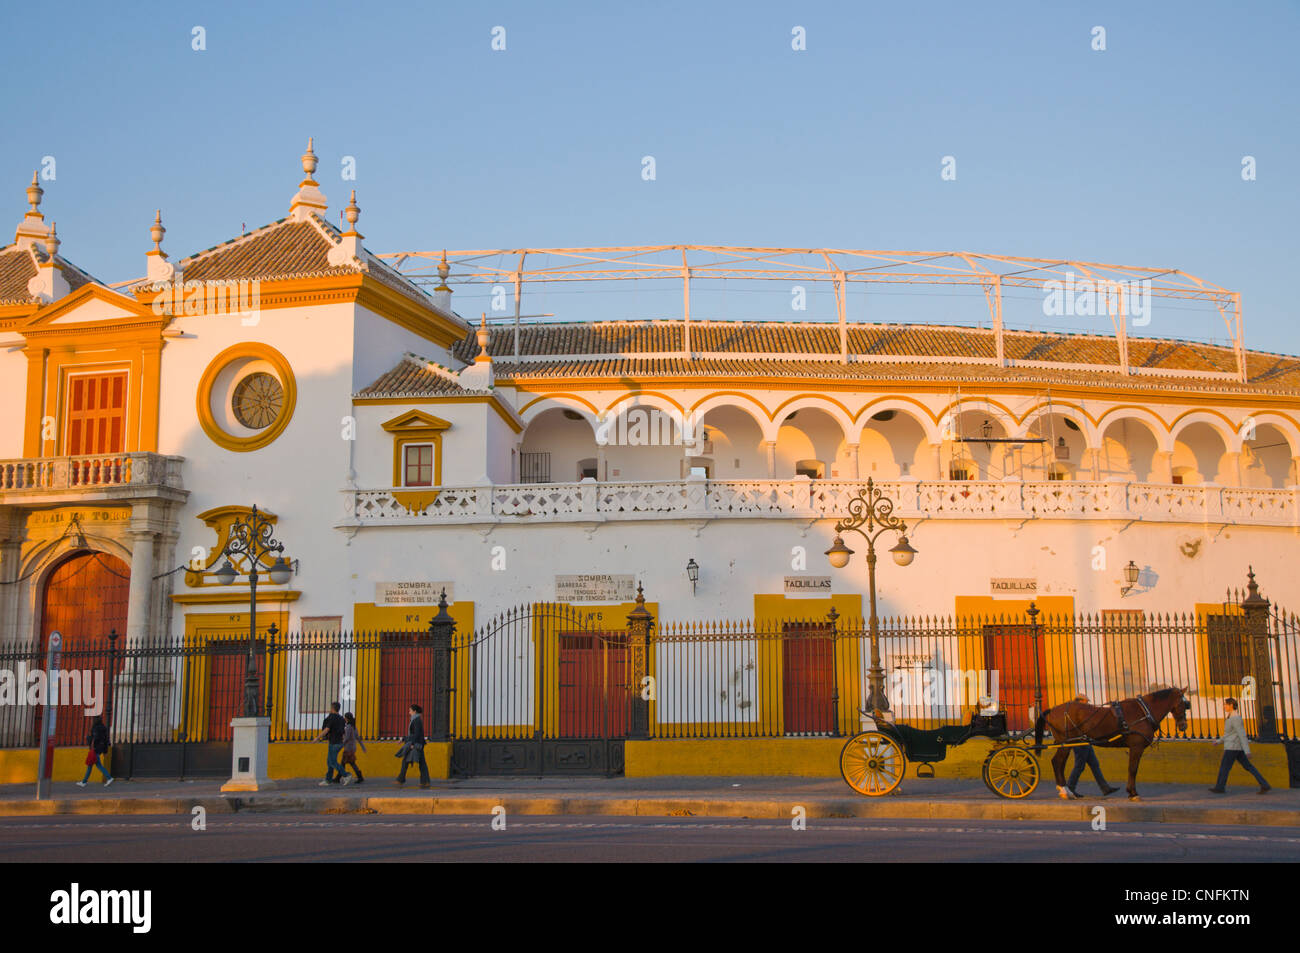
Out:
{"x": 807, "y": 585}
{"x": 1014, "y": 587}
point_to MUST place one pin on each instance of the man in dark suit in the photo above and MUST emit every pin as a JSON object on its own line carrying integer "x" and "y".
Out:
{"x": 414, "y": 746}
{"x": 1085, "y": 756}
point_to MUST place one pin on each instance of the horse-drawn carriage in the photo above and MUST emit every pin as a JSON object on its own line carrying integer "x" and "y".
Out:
{"x": 874, "y": 762}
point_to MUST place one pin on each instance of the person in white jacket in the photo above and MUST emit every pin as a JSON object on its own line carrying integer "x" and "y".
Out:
{"x": 1235, "y": 749}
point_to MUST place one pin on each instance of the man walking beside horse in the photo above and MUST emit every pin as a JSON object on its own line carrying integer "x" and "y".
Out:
{"x": 1235, "y": 748}
{"x": 1131, "y": 723}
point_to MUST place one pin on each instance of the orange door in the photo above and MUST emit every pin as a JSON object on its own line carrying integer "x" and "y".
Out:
{"x": 96, "y": 414}
{"x": 84, "y": 598}
{"x": 1009, "y": 650}
{"x": 227, "y": 665}
{"x": 405, "y": 678}
{"x": 808, "y": 679}
{"x": 593, "y": 685}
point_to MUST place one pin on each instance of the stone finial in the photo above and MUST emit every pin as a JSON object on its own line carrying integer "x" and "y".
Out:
{"x": 353, "y": 211}
{"x": 32, "y": 228}
{"x": 483, "y": 335}
{"x": 309, "y": 199}
{"x": 157, "y": 267}
{"x": 309, "y": 161}
{"x": 48, "y": 284}
{"x": 156, "y": 232}
{"x": 347, "y": 253}
{"x": 443, "y": 271}
{"x": 34, "y": 194}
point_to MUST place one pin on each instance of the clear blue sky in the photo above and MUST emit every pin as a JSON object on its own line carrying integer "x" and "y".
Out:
{"x": 1132, "y": 155}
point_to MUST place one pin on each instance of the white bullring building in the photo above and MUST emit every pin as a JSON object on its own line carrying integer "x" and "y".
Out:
{"x": 402, "y": 448}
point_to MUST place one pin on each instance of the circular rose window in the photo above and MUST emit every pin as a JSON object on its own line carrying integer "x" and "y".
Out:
{"x": 246, "y": 397}
{"x": 257, "y": 401}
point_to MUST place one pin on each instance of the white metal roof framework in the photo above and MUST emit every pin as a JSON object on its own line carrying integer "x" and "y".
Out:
{"x": 838, "y": 266}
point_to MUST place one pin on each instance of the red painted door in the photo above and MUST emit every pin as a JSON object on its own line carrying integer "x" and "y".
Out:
{"x": 593, "y": 685}
{"x": 84, "y": 598}
{"x": 96, "y": 414}
{"x": 405, "y": 679}
{"x": 1009, "y": 650}
{"x": 808, "y": 678}
{"x": 227, "y": 665}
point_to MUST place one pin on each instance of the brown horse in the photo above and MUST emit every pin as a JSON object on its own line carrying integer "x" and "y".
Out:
{"x": 1077, "y": 721}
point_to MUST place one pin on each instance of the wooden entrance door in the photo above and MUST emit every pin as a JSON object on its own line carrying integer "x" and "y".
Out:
{"x": 84, "y": 598}
{"x": 96, "y": 414}
{"x": 808, "y": 679}
{"x": 593, "y": 684}
{"x": 227, "y": 665}
{"x": 405, "y": 679}
{"x": 1009, "y": 651}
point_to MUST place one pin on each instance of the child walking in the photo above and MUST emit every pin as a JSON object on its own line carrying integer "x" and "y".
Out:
{"x": 349, "y": 753}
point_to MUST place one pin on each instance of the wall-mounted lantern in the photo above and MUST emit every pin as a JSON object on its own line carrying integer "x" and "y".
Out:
{"x": 693, "y": 573}
{"x": 1131, "y": 573}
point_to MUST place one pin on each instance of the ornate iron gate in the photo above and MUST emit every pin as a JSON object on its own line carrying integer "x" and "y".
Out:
{"x": 542, "y": 689}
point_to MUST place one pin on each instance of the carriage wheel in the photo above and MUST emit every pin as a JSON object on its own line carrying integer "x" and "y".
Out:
{"x": 1011, "y": 771}
{"x": 873, "y": 763}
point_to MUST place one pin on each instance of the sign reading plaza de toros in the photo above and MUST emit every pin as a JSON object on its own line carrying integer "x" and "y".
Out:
{"x": 595, "y": 587}
{"x": 412, "y": 593}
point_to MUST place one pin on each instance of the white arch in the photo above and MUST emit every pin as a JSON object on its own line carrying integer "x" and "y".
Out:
{"x": 1158, "y": 428}
{"x": 917, "y": 412}
{"x": 1231, "y": 438}
{"x": 814, "y": 402}
{"x": 1091, "y": 432}
{"x": 535, "y": 410}
{"x": 747, "y": 404}
{"x": 1285, "y": 426}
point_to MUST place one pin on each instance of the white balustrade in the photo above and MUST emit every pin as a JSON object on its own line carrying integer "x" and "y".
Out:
{"x": 804, "y": 499}
{"x": 90, "y": 472}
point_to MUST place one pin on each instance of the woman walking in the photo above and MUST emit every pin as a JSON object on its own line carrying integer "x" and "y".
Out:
{"x": 98, "y": 739}
{"x": 413, "y": 749}
{"x": 349, "y": 754}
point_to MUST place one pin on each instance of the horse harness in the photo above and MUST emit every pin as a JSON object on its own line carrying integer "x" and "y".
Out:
{"x": 1117, "y": 708}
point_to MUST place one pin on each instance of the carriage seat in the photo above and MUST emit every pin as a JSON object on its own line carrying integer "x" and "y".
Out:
{"x": 932, "y": 744}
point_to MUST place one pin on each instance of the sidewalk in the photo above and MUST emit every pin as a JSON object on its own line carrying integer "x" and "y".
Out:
{"x": 759, "y": 797}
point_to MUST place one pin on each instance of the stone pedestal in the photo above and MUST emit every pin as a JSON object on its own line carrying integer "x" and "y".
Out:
{"x": 252, "y": 738}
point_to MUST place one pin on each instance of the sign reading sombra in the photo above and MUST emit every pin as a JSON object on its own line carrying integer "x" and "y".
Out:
{"x": 412, "y": 593}
{"x": 595, "y": 587}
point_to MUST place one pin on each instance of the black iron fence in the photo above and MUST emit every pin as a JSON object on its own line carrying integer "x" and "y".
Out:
{"x": 552, "y": 672}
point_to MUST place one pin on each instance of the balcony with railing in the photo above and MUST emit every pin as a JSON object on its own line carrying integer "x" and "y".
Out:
{"x": 804, "y": 498}
{"x": 90, "y": 478}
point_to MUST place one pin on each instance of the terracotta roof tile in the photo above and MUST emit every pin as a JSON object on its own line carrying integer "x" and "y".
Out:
{"x": 931, "y": 352}
{"x": 18, "y": 266}
{"x": 412, "y": 377}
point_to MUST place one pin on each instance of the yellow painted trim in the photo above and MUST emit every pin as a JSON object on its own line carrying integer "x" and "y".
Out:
{"x": 357, "y": 288}
{"x": 502, "y": 409}
{"x": 749, "y": 399}
{"x": 636, "y": 394}
{"x": 416, "y": 427}
{"x": 272, "y": 596}
{"x": 771, "y": 612}
{"x": 1055, "y": 404}
{"x": 880, "y": 400}
{"x": 206, "y": 627}
{"x": 776, "y": 412}
{"x": 203, "y": 400}
{"x": 559, "y": 396}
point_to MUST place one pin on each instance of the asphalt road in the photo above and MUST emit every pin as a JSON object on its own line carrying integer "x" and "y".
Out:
{"x": 370, "y": 838}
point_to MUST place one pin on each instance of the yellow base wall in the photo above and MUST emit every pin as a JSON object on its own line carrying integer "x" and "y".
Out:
{"x": 18, "y": 765}
{"x": 290, "y": 759}
{"x": 1188, "y": 762}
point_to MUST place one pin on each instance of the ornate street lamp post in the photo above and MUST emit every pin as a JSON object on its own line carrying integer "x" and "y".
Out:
{"x": 252, "y": 538}
{"x": 870, "y": 516}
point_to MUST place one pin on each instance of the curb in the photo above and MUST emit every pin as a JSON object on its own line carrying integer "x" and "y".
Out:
{"x": 765, "y": 808}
